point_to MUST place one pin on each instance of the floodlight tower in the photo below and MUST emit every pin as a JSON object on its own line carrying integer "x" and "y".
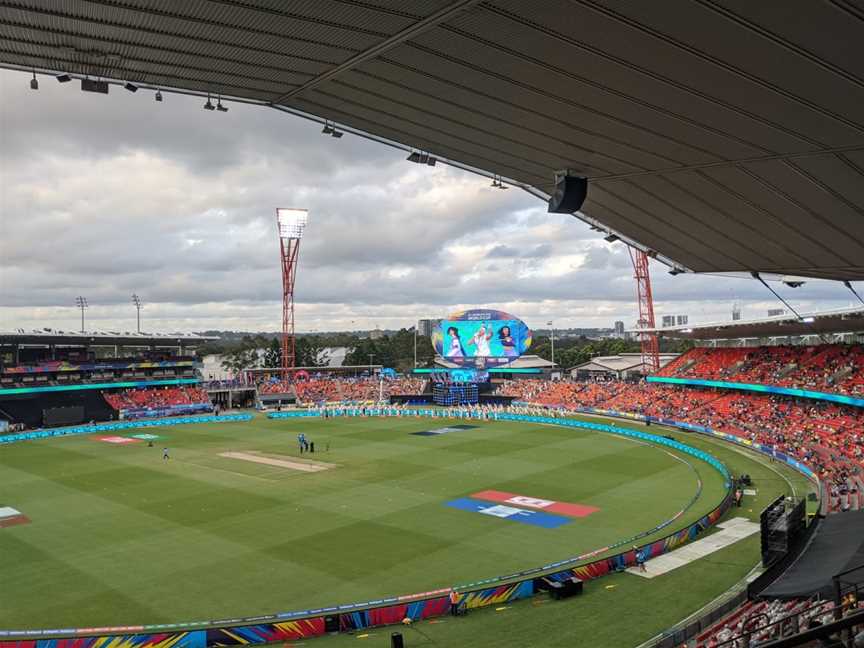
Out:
{"x": 81, "y": 302}
{"x": 650, "y": 344}
{"x": 290, "y": 223}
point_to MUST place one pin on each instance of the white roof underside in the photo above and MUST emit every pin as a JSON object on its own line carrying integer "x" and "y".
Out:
{"x": 727, "y": 135}
{"x": 842, "y": 320}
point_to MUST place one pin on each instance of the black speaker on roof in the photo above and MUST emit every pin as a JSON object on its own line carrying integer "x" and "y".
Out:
{"x": 92, "y": 85}
{"x": 569, "y": 194}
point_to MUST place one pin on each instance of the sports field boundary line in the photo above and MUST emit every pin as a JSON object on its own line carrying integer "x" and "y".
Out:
{"x": 495, "y": 590}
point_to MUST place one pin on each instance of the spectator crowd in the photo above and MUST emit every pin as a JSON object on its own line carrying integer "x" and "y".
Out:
{"x": 835, "y": 368}
{"x": 333, "y": 389}
{"x": 156, "y": 397}
{"x": 827, "y": 437}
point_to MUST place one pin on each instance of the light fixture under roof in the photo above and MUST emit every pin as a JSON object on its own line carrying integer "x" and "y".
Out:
{"x": 337, "y": 134}
{"x": 328, "y": 129}
{"x": 34, "y": 82}
{"x": 158, "y": 96}
{"x": 219, "y": 105}
{"x": 64, "y": 78}
{"x": 414, "y": 157}
{"x": 209, "y": 105}
{"x": 131, "y": 87}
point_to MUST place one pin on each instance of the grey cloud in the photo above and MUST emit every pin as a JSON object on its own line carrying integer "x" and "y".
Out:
{"x": 105, "y": 196}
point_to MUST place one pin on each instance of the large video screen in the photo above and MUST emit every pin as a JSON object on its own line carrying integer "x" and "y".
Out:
{"x": 481, "y": 338}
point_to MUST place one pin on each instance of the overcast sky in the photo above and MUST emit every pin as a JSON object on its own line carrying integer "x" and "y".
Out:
{"x": 108, "y": 196}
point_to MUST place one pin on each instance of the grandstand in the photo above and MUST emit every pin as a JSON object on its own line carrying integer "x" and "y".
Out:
{"x": 50, "y": 378}
{"x": 797, "y": 399}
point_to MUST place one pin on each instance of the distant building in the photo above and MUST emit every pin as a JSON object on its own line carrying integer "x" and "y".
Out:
{"x": 776, "y": 312}
{"x": 619, "y": 329}
{"x": 736, "y": 311}
{"x": 376, "y": 334}
{"x": 621, "y": 366}
{"x": 425, "y": 326}
{"x": 674, "y": 320}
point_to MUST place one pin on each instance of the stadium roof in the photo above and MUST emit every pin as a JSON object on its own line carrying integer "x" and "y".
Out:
{"x": 38, "y": 337}
{"x": 621, "y": 362}
{"x": 844, "y": 320}
{"x": 726, "y": 136}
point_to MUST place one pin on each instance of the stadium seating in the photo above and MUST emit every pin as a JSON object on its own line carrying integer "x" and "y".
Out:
{"x": 766, "y": 620}
{"x": 156, "y": 398}
{"x": 835, "y": 368}
{"x": 336, "y": 389}
{"x": 828, "y": 437}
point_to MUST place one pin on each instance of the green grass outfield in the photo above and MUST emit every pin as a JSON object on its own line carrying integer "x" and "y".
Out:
{"x": 119, "y": 536}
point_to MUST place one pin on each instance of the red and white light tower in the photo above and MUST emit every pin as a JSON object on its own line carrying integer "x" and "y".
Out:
{"x": 650, "y": 344}
{"x": 290, "y": 223}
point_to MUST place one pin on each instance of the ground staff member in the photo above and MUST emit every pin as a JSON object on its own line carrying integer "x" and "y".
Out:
{"x": 454, "y": 603}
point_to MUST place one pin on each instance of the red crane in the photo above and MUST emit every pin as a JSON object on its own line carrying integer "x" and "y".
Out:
{"x": 649, "y": 341}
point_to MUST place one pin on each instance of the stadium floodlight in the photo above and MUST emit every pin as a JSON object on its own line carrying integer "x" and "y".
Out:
{"x": 431, "y": 161}
{"x": 34, "y": 82}
{"x": 337, "y": 134}
{"x": 81, "y": 302}
{"x": 158, "y": 95}
{"x": 131, "y": 87}
{"x": 808, "y": 320}
{"x": 291, "y": 222}
{"x": 414, "y": 157}
{"x": 63, "y": 78}
{"x": 136, "y": 300}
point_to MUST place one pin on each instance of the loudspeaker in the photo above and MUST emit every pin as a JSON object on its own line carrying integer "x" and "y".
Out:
{"x": 331, "y": 623}
{"x": 569, "y": 194}
{"x": 396, "y": 640}
{"x": 92, "y": 85}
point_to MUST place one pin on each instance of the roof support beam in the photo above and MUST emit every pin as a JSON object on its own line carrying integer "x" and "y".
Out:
{"x": 396, "y": 39}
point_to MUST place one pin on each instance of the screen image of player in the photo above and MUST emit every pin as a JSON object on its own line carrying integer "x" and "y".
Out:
{"x": 481, "y": 338}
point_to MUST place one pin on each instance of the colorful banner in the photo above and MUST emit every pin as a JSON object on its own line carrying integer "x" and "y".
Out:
{"x": 10, "y": 391}
{"x": 56, "y": 366}
{"x": 564, "y": 508}
{"x": 162, "y": 412}
{"x": 534, "y": 518}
